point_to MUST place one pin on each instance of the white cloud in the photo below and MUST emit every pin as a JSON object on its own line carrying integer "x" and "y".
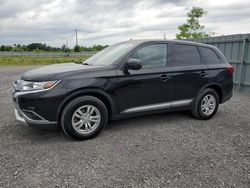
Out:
{"x": 107, "y": 22}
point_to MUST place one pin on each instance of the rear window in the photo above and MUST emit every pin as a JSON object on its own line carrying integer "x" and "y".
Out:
{"x": 209, "y": 56}
{"x": 186, "y": 55}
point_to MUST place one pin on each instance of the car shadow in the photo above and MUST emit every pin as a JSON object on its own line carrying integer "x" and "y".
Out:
{"x": 46, "y": 135}
{"x": 150, "y": 120}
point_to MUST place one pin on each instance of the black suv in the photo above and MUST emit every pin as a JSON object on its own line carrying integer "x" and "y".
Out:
{"x": 136, "y": 77}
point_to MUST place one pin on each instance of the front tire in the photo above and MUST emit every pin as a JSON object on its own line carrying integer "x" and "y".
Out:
{"x": 84, "y": 117}
{"x": 206, "y": 104}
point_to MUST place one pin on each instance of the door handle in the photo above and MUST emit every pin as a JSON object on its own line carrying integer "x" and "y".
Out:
{"x": 203, "y": 74}
{"x": 164, "y": 77}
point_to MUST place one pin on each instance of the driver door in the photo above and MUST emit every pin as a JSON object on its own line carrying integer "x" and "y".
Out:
{"x": 149, "y": 87}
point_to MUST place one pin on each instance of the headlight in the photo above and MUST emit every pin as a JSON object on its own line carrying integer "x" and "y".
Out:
{"x": 30, "y": 86}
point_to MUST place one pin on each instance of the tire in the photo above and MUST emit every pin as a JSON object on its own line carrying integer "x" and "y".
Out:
{"x": 199, "y": 107}
{"x": 84, "y": 117}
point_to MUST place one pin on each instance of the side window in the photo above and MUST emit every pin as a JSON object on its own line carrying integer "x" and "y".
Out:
{"x": 209, "y": 56}
{"x": 186, "y": 55}
{"x": 152, "y": 56}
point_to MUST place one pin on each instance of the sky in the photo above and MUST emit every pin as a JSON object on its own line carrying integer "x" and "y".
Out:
{"x": 109, "y": 21}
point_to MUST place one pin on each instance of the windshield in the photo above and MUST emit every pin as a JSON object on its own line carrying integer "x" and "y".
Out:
{"x": 110, "y": 54}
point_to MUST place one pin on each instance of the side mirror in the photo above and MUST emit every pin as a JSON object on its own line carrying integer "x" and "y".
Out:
{"x": 133, "y": 64}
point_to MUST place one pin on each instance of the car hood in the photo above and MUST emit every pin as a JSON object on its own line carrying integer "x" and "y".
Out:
{"x": 55, "y": 70}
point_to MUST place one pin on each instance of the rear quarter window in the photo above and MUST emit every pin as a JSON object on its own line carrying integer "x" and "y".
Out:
{"x": 209, "y": 56}
{"x": 186, "y": 55}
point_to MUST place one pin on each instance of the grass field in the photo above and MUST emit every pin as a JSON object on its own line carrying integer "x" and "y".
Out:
{"x": 6, "y": 61}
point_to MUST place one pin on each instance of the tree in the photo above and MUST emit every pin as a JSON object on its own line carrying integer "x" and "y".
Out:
{"x": 193, "y": 29}
{"x": 6, "y": 48}
{"x": 77, "y": 48}
{"x": 64, "y": 48}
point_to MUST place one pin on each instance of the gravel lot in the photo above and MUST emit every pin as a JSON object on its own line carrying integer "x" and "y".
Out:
{"x": 166, "y": 150}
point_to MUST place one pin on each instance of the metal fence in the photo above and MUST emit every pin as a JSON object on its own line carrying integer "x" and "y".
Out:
{"x": 237, "y": 50}
{"x": 46, "y": 54}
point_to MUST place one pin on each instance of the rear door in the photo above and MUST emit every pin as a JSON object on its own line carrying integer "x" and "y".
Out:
{"x": 188, "y": 72}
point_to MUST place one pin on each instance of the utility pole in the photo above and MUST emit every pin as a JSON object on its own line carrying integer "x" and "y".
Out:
{"x": 76, "y": 38}
{"x": 164, "y": 36}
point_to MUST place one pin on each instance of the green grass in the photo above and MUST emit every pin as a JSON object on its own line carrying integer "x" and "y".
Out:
{"x": 7, "y": 61}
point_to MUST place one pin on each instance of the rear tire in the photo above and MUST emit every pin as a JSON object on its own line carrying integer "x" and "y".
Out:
{"x": 206, "y": 104}
{"x": 84, "y": 117}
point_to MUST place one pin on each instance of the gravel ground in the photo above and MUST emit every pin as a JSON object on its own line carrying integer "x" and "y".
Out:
{"x": 166, "y": 150}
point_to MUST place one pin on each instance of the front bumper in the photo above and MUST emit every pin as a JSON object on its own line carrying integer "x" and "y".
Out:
{"x": 21, "y": 117}
{"x": 24, "y": 119}
{"x": 35, "y": 120}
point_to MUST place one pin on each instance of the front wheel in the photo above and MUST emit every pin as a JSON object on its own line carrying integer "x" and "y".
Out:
{"x": 84, "y": 117}
{"x": 206, "y": 104}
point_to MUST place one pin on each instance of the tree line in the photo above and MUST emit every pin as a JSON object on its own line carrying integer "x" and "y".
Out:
{"x": 42, "y": 47}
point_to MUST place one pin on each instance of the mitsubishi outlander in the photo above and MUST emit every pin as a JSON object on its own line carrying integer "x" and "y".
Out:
{"x": 132, "y": 78}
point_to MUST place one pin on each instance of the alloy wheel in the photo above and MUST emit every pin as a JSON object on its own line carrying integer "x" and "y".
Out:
{"x": 86, "y": 119}
{"x": 208, "y": 104}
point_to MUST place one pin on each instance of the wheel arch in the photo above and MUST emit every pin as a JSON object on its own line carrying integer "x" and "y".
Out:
{"x": 217, "y": 87}
{"x": 101, "y": 95}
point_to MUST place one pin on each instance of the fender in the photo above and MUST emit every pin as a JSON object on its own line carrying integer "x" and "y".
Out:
{"x": 213, "y": 84}
{"x": 83, "y": 92}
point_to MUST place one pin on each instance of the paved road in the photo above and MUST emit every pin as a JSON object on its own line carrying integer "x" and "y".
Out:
{"x": 166, "y": 150}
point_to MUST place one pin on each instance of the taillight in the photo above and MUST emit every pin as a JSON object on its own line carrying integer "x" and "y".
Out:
{"x": 230, "y": 69}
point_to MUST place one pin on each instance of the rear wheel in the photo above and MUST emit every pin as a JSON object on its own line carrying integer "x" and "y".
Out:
{"x": 206, "y": 104}
{"x": 84, "y": 117}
